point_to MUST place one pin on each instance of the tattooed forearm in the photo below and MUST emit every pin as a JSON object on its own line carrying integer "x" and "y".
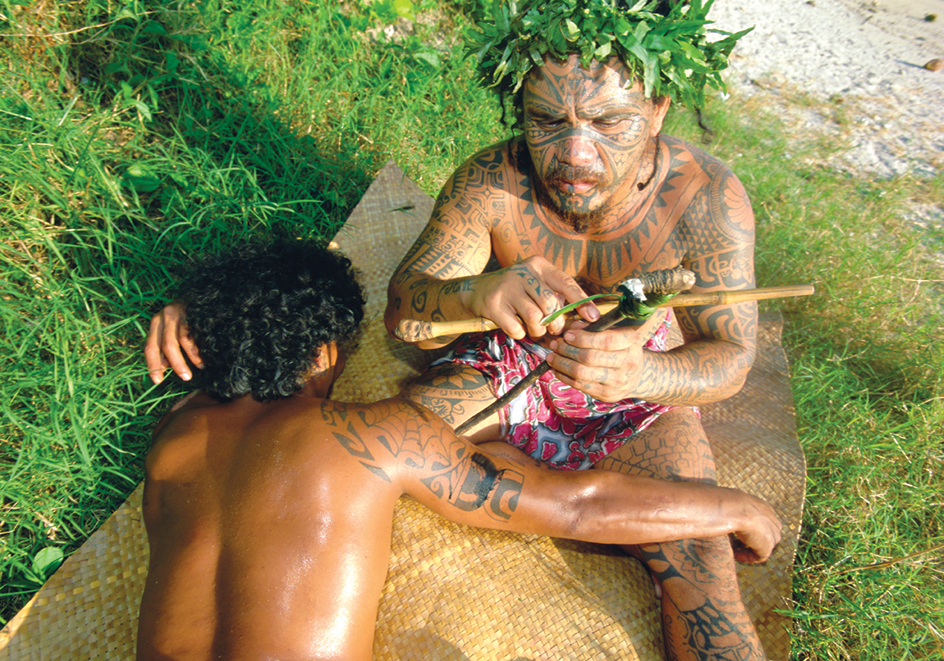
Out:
{"x": 696, "y": 373}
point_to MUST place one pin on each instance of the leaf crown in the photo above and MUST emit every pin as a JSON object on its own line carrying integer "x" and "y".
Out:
{"x": 662, "y": 42}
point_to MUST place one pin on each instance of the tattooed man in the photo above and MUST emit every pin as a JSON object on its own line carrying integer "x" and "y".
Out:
{"x": 589, "y": 195}
{"x": 269, "y": 507}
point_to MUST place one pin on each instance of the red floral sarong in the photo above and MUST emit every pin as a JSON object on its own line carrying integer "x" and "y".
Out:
{"x": 551, "y": 421}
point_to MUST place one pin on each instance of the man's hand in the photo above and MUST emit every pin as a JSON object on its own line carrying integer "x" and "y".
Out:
{"x": 167, "y": 336}
{"x": 518, "y": 297}
{"x": 757, "y": 537}
{"x": 605, "y": 365}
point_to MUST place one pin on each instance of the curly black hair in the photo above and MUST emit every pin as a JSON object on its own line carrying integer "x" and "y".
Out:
{"x": 260, "y": 313}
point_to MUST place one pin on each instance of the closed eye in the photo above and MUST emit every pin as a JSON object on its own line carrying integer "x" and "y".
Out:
{"x": 546, "y": 122}
{"x": 608, "y": 123}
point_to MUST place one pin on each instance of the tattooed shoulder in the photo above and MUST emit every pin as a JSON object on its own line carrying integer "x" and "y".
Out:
{"x": 721, "y": 205}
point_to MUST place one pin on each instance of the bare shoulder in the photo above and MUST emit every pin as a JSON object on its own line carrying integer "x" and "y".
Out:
{"x": 475, "y": 192}
{"x": 717, "y": 195}
{"x": 456, "y": 240}
{"x": 177, "y": 443}
{"x": 488, "y": 170}
{"x": 683, "y": 152}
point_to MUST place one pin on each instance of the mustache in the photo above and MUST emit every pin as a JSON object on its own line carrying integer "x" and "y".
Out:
{"x": 559, "y": 173}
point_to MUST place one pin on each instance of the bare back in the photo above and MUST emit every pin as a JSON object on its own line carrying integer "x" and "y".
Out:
{"x": 254, "y": 514}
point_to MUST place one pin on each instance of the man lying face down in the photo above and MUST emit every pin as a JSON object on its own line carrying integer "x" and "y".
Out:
{"x": 268, "y": 506}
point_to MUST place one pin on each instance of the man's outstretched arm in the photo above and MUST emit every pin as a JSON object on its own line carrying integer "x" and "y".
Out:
{"x": 497, "y": 486}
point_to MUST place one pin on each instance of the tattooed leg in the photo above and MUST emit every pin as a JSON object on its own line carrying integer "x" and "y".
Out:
{"x": 455, "y": 393}
{"x": 703, "y": 616}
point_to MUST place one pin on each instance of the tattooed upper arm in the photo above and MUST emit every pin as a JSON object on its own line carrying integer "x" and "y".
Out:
{"x": 401, "y": 442}
{"x": 457, "y": 240}
{"x": 717, "y": 232}
{"x": 438, "y": 270}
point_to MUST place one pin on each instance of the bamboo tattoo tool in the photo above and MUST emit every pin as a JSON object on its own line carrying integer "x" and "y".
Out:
{"x": 661, "y": 284}
{"x": 657, "y": 282}
{"x": 635, "y": 305}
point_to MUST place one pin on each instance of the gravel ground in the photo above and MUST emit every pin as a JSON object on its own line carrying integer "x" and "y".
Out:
{"x": 860, "y": 65}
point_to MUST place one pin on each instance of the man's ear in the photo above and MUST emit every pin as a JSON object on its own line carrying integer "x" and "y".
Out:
{"x": 325, "y": 358}
{"x": 660, "y": 108}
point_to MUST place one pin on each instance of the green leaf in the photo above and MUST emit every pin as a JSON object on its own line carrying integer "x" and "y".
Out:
{"x": 429, "y": 56}
{"x": 536, "y": 55}
{"x": 573, "y": 306}
{"x": 128, "y": 13}
{"x": 47, "y": 561}
{"x": 172, "y": 62}
{"x": 405, "y": 9}
{"x": 603, "y": 52}
{"x": 571, "y": 31}
{"x": 153, "y": 27}
{"x": 142, "y": 108}
{"x": 141, "y": 178}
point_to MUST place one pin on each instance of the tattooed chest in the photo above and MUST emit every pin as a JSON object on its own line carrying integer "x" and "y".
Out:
{"x": 599, "y": 264}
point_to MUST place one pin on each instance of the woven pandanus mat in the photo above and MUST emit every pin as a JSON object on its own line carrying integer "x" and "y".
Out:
{"x": 454, "y": 592}
{"x": 88, "y": 609}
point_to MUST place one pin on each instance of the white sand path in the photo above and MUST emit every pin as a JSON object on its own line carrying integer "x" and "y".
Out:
{"x": 861, "y": 61}
{"x": 867, "y": 56}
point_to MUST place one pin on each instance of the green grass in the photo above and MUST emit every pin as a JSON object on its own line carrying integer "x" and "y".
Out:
{"x": 136, "y": 134}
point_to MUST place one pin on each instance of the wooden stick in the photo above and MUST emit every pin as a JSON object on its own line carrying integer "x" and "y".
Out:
{"x": 413, "y": 330}
{"x": 605, "y": 321}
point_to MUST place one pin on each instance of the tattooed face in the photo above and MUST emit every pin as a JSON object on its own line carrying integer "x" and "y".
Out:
{"x": 587, "y": 131}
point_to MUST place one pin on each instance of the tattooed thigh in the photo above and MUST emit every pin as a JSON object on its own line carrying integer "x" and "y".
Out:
{"x": 453, "y": 392}
{"x": 674, "y": 447}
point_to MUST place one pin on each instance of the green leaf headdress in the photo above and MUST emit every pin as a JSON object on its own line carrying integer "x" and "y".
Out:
{"x": 662, "y": 42}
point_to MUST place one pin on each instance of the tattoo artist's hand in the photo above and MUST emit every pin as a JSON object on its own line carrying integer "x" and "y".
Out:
{"x": 516, "y": 298}
{"x": 167, "y": 336}
{"x": 757, "y": 537}
{"x": 605, "y": 365}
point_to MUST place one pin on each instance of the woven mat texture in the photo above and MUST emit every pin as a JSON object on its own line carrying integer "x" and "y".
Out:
{"x": 454, "y": 592}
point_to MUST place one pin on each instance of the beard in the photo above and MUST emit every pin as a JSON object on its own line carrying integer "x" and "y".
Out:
{"x": 570, "y": 208}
